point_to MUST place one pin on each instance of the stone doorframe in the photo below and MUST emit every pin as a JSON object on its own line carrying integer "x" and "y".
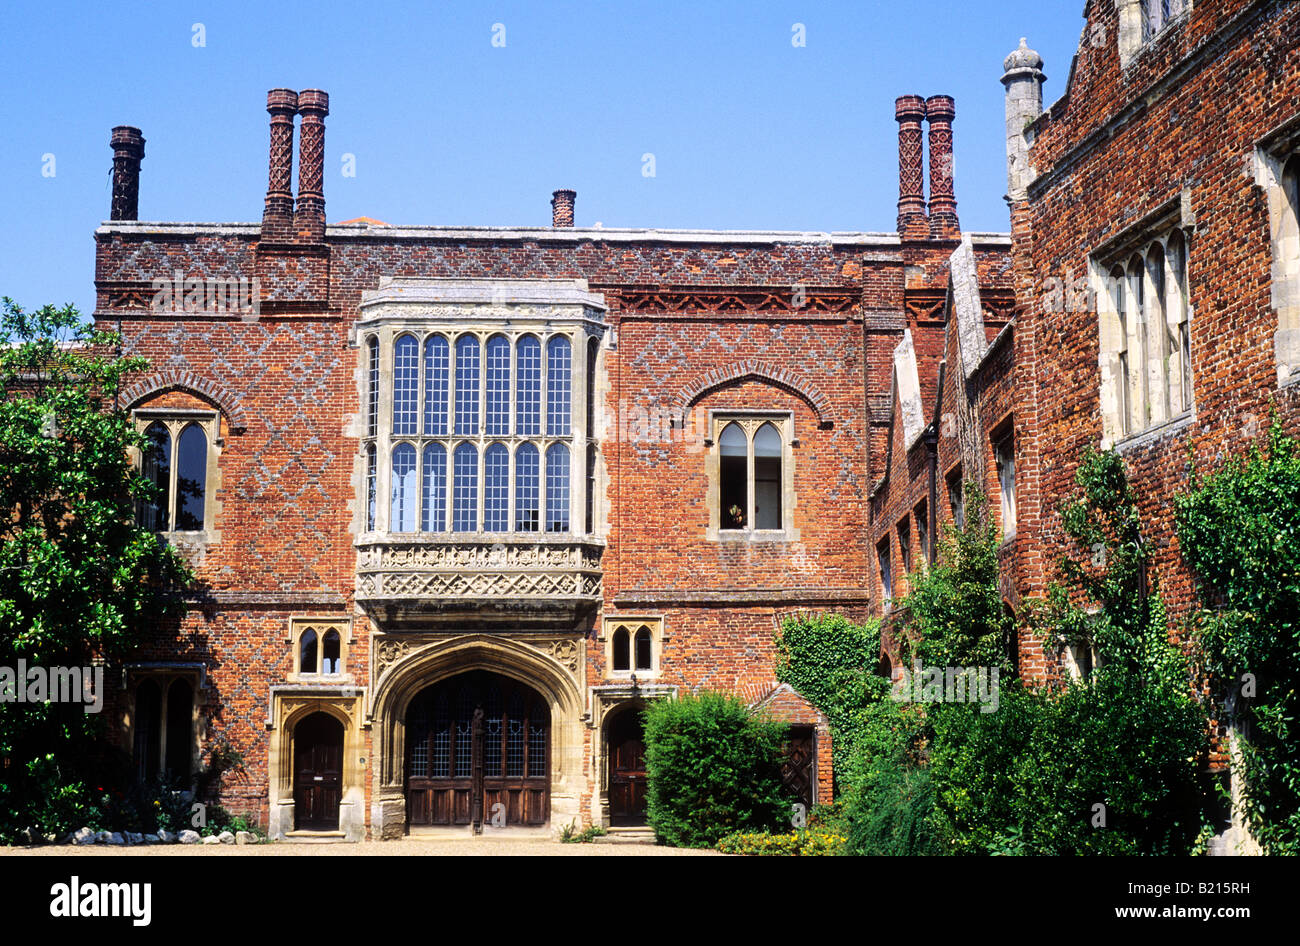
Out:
{"x": 607, "y": 701}
{"x": 411, "y": 662}
{"x": 289, "y": 706}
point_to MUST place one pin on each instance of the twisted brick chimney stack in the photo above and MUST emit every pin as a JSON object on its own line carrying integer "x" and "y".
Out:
{"x": 940, "y": 110}
{"x": 909, "y": 112}
{"x": 562, "y": 208}
{"x": 277, "y": 216}
{"x": 309, "y": 217}
{"x": 128, "y": 151}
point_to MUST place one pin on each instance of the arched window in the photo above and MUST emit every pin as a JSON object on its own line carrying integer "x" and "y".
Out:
{"x": 404, "y": 489}
{"x": 767, "y": 478}
{"x": 307, "y": 652}
{"x": 180, "y": 729}
{"x": 1141, "y": 408}
{"x": 464, "y": 501}
{"x": 1159, "y": 327}
{"x": 1180, "y": 359}
{"x": 496, "y": 488}
{"x": 644, "y": 657}
{"x": 406, "y": 385}
{"x": 467, "y": 385}
{"x": 331, "y": 651}
{"x": 528, "y": 387}
{"x": 372, "y": 488}
{"x": 557, "y": 488}
{"x": 372, "y": 387}
{"x": 433, "y": 504}
{"x": 498, "y": 386}
{"x": 437, "y": 380}
{"x": 527, "y": 488}
{"x": 157, "y": 469}
{"x": 622, "y": 651}
{"x": 559, "y": 369}
{"x": 1124, "y": 379}
{"x": 733, "y": 473}
{"x": 191, "y": 478}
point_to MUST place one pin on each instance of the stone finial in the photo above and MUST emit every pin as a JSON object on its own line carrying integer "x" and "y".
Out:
{"x": 1023, "y": 78}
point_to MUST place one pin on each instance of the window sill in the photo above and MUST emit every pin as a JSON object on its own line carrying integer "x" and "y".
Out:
{"x": 1175, "y": 425}
{"x": 640, "y": 675}
{"x": 743, "y": 536}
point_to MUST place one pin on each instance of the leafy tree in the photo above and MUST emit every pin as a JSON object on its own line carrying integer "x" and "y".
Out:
{"x": 1239, "y": 530}
{"x": 714, "y": 769}
{"x": 79, "y": 580}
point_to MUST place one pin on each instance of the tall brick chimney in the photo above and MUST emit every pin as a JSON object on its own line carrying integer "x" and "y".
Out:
{"x": 128, "y": 152}
{"x": 277, "y": 215}
{"x": 909, "y": 112}
{"x": 562, "y": 208}
{"x": 309, "y": 217}
{"x": 940, "y": 110}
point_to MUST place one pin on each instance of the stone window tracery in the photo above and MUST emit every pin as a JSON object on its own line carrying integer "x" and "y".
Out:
{"x": 180, "y": 462}
{"x": 751, "y": 469}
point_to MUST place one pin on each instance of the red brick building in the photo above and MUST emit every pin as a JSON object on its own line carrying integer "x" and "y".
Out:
{"x": 462, "y": 499}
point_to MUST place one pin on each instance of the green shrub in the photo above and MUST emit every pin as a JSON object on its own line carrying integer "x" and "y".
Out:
{"x": 714, "y": 768}
{"x": 806, "y": 842}
{"x": 1239, "y": 530}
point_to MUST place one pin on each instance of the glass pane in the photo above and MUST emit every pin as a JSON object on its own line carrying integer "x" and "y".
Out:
{"x": 643, "y": 657}
{"x": 148, "y": 728}
{"x": 307, "y": 652}
{"x": 767, "y": 478}
{"x": 372, "y": 489}
{"x": 528, "y": 387}
{"x": 437, "y": 375}
{"x": 464, "y": 515}
{"x": 330, "y": 652}
{"x": 496, "y": 489}
{"x": 515, "y": 736}
{"x": 537, "y": 727}
{"x": 433, "y": 505}
{"x": 191, "y": 478}
{"x": 492, "y": 733}
{"x": 180, "y": 729}
{"x": 498, "y": 386}
{"x": 372, "y": 393}
{"x": 406, "y": 384}
{"x": 404, "y": 489}
{"x": 440, "y": 766}
{"x": 467, "y": 385}
{"x": 156, "y": 469}
{"x": 557, "y": 488}
{"x": 733, "y": 478}
{"x": 527, "y": 488}
{"x": 622, "y": 658}
{"x": 558, "y": 371}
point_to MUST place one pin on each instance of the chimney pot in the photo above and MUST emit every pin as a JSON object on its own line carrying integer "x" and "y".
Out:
{"x": 562, "y": 208}
{"x": 128, "y": 151}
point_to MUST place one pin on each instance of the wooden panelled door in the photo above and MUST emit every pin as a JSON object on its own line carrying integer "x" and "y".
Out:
{"x": 798, "y": 768}
{"x": 478, "y": 752}
{"x": 627, "y": 779}
{"x": 318, "y": 773}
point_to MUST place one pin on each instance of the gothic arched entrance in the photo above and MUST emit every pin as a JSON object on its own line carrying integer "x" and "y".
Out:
{"x": 478, "y": 751}
{"x": 318, "y": 772}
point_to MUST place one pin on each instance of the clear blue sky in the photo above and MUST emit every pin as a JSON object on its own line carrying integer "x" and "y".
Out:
{"x": 748, "y": 131}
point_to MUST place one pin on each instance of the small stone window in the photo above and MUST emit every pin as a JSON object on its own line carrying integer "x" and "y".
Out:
{"x": 905, "y": 545}
{"x": 1142, "y": 22}
{"x": 920, "y": 514}
{"x": 319, "y": 646}
{"x": 956, "y": 498}
{"x": 1277, "y": 171}
{"x": 886, "y": 573}
{"x": 633, "y": 645}
{"x": 163, "y": 726}
{"x": 751, "y": 466}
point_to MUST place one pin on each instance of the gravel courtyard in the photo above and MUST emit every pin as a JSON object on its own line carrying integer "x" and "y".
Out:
{"x": 406, "y": 847}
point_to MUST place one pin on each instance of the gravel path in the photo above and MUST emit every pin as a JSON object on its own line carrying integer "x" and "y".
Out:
{"x": 406, "y": 847}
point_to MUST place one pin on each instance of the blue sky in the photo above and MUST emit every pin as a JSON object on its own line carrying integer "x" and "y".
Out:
{"x": 747, "y": 130}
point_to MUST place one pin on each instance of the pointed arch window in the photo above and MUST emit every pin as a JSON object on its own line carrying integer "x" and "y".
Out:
{"x": 752, "y": 467}
{"x": 406, "y": 385}
{"x": 437, "y": 380}
{"x": 467, "y": 351}
{"x": 176, "y": 461}
{"x": 633, "y": 644}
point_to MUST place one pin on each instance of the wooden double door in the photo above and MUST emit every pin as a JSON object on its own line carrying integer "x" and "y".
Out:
{"x": 478, "y": 753}
{"x": 318, "y": 773}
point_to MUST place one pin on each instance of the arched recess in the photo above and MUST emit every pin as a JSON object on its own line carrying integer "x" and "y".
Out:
{"x": 764, "y": 372}
{"x": 401, "y": 682}
{"x": 290, "y": 706}
{"x": 176, "y": 379}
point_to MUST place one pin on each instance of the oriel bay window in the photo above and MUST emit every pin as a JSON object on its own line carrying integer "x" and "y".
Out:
{"x": 478, "y": 435}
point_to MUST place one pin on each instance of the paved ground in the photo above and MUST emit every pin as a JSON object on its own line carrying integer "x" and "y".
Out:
{"x": 407, "y": 847}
